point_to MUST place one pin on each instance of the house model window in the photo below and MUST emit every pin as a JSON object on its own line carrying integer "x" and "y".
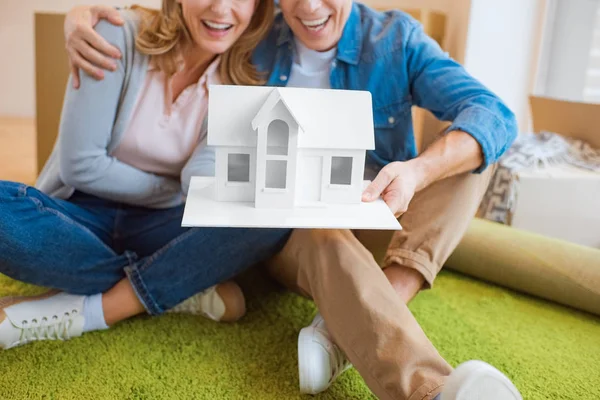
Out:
{"x": 292, "y": 147}
{"x": 341, "y": 171}
{"x": 278, "y": 137}
{"x": 238, "y": 168}
{"x": 276, "y": 174}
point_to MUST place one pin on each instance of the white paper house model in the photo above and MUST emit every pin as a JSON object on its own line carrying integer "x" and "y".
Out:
{"x": 289, "y": 147}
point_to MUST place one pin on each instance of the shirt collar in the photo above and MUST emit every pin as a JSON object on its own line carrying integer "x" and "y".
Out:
{"x": 350, "y": 44}
{"x": 285, "y": 33}
{"x": 211, "y": 75}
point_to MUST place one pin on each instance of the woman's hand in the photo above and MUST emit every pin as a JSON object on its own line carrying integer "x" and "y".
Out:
{"x": 86, "y": 49}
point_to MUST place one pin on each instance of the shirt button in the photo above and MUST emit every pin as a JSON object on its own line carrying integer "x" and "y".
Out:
{"x": 283, "y": 78}
{"x": 391, "y": 120}
{"x": 333, "y": 64}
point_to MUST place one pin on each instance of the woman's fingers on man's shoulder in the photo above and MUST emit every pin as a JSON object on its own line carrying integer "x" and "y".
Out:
{"x": 98, "y": 59}
{"x": 94, "y": 43}
{"x": 88, "y": 68}
{"x": 109, "y": 13}
{"x": 88, "y": 51}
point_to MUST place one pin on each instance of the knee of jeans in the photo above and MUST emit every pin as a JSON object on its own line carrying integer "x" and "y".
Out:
{"x": 271, "y": 240}
{"x": 280, "y": 233}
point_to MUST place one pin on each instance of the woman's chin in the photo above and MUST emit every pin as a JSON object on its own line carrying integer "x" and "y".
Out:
{"x": 215, "y": 46}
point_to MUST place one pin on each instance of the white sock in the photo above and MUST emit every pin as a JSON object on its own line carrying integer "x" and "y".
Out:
{"x": 93, "y": 314}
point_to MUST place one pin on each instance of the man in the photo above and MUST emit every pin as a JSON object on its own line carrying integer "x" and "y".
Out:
{"x": 344, "y": 45}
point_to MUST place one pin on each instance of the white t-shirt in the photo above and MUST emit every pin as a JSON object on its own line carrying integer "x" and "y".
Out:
{"x": 311, "y": 68}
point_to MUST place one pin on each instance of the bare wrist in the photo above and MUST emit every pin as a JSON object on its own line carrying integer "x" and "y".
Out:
{"x": 422, "y": 171}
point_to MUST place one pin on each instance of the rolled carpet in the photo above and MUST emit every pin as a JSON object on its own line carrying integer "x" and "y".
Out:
{"x": 552, "y": 269}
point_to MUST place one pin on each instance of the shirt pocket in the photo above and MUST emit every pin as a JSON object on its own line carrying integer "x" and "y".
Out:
{"x": 390, "y": 116}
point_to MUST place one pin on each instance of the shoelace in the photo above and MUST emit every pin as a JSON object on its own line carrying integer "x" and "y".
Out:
{"x": 339, "y": 362}
{"x": 47, "y": 329}
{"x": 198, "y": 303}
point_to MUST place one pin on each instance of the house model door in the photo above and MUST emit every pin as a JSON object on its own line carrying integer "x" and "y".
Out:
{"x": 310, "y": 179}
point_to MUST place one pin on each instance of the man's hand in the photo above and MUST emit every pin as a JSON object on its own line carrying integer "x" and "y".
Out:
{"x": 85, "y": 47}
{"x": 454, "y": 153}
{"x": 396, "y": 183}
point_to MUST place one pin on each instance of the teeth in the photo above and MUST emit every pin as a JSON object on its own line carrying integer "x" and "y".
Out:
{"x": 214, "y": 25}
{"x": 315, "y": 22}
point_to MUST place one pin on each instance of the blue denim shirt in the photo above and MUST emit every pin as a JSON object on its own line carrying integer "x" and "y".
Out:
{"x": 389, "y": 55}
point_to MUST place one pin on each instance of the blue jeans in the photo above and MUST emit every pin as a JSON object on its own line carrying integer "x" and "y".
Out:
{"x": 85, "y": 245}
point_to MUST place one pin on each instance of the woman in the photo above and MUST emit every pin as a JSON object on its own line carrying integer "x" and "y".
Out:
{"x": 104, "y": 226}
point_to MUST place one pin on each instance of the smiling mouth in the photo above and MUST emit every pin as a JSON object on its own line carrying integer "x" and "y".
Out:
{"x": 216, "y": 26}
{"x": 315, "y": 24}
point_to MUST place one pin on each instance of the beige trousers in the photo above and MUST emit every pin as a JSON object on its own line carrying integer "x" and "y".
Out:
{"x": 339, "y": 269}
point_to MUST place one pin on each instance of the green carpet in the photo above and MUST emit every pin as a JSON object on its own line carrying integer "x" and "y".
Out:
{"x": 550, "y": 352}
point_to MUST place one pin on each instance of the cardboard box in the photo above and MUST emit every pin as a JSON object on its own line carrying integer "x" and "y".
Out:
{"x": 51, "y": 75}
{"x": 560, "y": 200}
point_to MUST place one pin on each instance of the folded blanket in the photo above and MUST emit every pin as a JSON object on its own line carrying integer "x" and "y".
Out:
{"x": 532, "y": 151}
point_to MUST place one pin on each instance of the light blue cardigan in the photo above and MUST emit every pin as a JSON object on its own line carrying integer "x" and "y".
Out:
{"x": 93, "y": 121}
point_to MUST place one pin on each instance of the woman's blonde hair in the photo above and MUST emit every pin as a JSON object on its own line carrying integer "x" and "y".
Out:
{"x": 162, "y": 34}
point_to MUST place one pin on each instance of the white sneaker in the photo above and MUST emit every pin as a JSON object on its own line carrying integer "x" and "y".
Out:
{"x": 475, "y": 380}
{"x": 223, "y": 302}
{"x": 320, "y": 360}
{"x": 51, "y": 316}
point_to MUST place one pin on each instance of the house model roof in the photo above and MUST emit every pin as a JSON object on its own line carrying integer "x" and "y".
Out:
{"x": 327, "y": 119}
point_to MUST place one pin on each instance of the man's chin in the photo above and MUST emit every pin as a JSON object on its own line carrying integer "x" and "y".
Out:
{"x": 318, "y": 45}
